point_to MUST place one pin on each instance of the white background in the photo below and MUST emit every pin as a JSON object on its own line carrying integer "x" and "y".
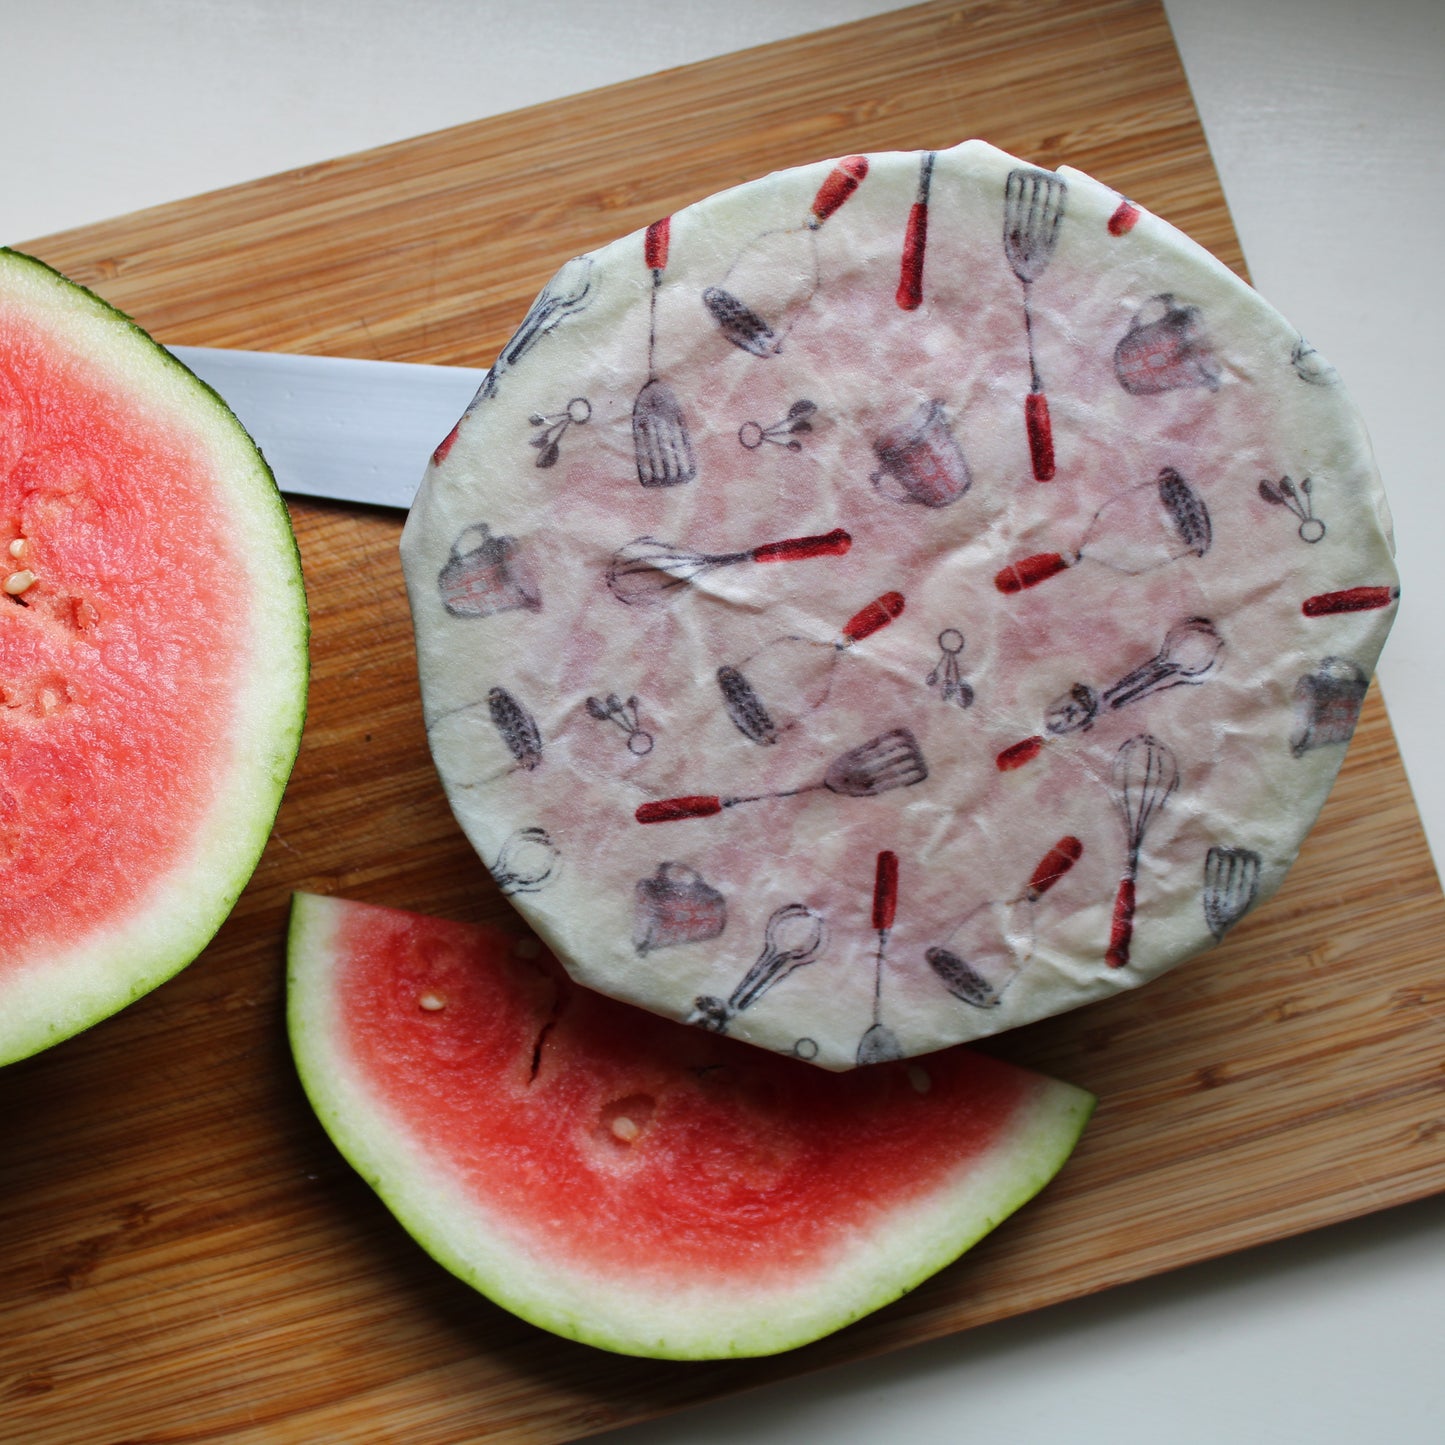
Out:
{"x": 1327, "y": 123}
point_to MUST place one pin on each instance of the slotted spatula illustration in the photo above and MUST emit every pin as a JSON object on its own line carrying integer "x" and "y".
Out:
{"x": 1033, "y": 208}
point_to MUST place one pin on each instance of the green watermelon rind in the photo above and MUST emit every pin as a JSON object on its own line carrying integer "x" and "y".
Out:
{"x": 660, "y": 1317}
{"x": 66, "y": 992}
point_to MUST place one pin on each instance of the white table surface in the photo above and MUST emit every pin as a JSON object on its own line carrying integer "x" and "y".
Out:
{"x": 1327, "y": 122}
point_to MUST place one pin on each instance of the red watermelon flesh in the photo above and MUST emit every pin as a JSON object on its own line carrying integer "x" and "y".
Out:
{"x": 629, "y": 1181}
{"x": 152, "y": 659}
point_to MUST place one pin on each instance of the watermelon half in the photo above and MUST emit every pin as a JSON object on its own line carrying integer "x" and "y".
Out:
{"x": 628, "y": 1181}
{"x": 153, "y": 659}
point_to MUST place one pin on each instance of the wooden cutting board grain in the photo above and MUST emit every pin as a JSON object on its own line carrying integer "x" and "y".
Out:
{"x": 184, "y": 1256}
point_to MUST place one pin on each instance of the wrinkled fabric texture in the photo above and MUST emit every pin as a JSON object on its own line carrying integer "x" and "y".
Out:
{"x": 1090, "y": 718}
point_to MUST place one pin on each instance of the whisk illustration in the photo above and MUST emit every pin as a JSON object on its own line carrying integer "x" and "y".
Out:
{"x": 647, "y": 572}
{"x": 659, "y": 431}
{"x": 1146, "y": 773}
{"x": 1033, "y": 209}
{"x": 891, "y": 760}
{"x": 784, "y": 680}
{"x": 777, "y": 273}
{"x": 795, "y": 935}
{"x": 992, "y": 944}
{"x": 1143, "y": 527}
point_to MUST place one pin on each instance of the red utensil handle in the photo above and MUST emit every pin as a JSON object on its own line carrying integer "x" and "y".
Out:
{"x": 842, "y": 181}
{"x": 1121, "y": 930}
{"x": 654, "y": 245}
{"x": 1019, "y": 753}
{"x": 1030, "y": 571}
{"x": 1352, "y": 599}
{"x": 1122, "y": 221}
{"x": 878, "y": 613}
{"x": 798, "y": 549}
{"x": 885, "y": 892}
{"x": 669, "y": 810}
{"x": 1056, "y": 862}
{"x": 910, "y": 273}
{"x": 1041, "y": 435}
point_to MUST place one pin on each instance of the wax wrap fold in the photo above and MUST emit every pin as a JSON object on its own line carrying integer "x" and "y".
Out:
{"x": 931, "y": 506}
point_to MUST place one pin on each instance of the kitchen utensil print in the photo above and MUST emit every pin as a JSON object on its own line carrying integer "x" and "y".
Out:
{"x": 1166, "y": 348}
{"x": 1123, "y": 218}
{"x": 1350, "y": 599}
{"x": 647, "y": 572}
{"x": 1297, "y": 499}
{"x": 775, "y": 688}
{"x": 784, "y": 433}
{"x": 921, "y": 461}
{"x": 625, "y": 716}
{"x": 676, "y": 905}
{"x": 891, "y": 760}
{"x": 567, "y": 293}
{"x": 776, "y": 274}
{"x": 485, "y": 575}
{"x": 548, "y": 441}
{"x": 993, "y": 943}
{"x": 1327, "y": 705}
{"x": 915, "y": 240}
{"x": 1145, "y": 775}
{"x": 1033, "y": 210}
{"x": 527, "y": 862}
{"x": 947, "y": 674}
{"x": 516, "y": 727}
{"x": 1145, "y": 526}
{"x": 1231, "y": 884}
{"x": 879, "y": 1043}
{"x": 659, "y": 432}
{"x": 795, "y": 935}
{"x": 1188, "y": 658}
{"x": 1310, "y": 366}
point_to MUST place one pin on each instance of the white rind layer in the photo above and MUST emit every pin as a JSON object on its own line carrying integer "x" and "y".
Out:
{"x": 58, "y": 994}
{"x": 660, "y": 1317}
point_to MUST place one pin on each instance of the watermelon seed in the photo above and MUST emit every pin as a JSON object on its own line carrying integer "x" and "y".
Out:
{"x": 431, "y": 1002}
{"x": 18, "y": 582}
{"x": 918, "y": 1077}
{"x": 18, "y": 548}
{"x": 625, "y": 1129}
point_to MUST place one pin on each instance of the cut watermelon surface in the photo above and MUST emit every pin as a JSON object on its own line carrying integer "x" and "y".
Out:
{"x": 153, "y": 662}
{"x": 628, "y": 1181}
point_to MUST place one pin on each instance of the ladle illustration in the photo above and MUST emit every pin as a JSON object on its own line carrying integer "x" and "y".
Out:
{"x": 1146, "y": 773}
{"x": 915, "y": 240}
{"x": 782, "y": 682}
{"x": 891, "y": 760}
{"x": 994, "y": 943}
{"x": 659, "y": 432}
{"x": 646, "y": 572}
{"x": 1144, "y": 527}
{"x": 1231, "y": 884}
{"x": 1188, "y": 657}
{"x": 777, "y": 273}
{"x": 1033, "y": 209}
{"x": 795, "y": 935}
{"x": 879, "y": 1043}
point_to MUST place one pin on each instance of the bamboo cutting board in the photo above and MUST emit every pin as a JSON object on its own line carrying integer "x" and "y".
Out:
{"x": 184, "y": 1256}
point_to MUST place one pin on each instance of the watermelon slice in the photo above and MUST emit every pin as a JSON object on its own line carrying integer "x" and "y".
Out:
{"x": 152, "y": 659}
{"x": 628, "y": 1181}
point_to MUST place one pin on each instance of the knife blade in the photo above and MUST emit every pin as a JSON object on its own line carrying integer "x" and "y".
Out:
{"x": 339, "y": 427}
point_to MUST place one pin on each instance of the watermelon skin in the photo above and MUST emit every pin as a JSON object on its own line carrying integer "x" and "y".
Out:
{"x": 754, "y": 1203}
{"x": 155, "y": 677}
